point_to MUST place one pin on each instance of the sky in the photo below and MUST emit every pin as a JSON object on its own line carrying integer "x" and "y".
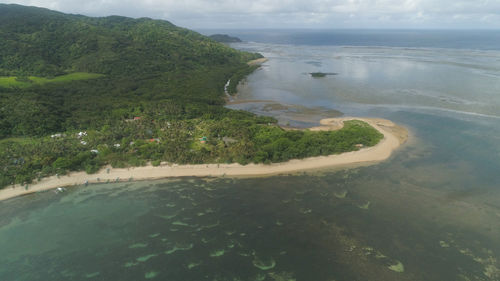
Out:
{"x": 330, "y": 14}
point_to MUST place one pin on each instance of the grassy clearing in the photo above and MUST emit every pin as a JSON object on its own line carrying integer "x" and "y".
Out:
{"x": 11, "y": 82}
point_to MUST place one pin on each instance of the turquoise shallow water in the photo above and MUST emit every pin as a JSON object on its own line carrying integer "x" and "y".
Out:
{"x": 431, "y": 212}
{"x": 431, "y": 209}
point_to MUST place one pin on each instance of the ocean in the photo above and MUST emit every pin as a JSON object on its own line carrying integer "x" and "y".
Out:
{"x": 449, "y": 39}
{"x": 430, "y": 212}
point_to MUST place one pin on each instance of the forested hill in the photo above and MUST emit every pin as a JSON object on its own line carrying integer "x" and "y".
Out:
{"x": 38, "y": 41}
{"x": 142, "y": 61}
{"x": 78, "y": 93}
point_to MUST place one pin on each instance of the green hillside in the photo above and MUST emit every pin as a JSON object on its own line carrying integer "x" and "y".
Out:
{"x": 142, "y": 61}
{"x": 142, "y": 90}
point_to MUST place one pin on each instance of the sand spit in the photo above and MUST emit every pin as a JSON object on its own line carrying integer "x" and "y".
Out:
{"x": 394, "y": 136}
{"x": 257, "y": 61}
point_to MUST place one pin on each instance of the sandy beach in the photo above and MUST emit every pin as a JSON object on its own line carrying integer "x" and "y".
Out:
{"x": 394, "y": 136}
{"x": 257, "y": 61}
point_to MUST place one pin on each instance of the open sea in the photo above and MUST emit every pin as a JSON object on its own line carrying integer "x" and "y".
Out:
{"x": 429, "y": 213}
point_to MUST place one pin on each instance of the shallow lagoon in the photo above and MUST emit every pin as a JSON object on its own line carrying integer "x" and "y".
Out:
{"x": 415, "y": 217}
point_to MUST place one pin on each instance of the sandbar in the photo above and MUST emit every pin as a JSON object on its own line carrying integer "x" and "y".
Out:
{"x": 394, "y": 137}
{"x": 257, "y": 62}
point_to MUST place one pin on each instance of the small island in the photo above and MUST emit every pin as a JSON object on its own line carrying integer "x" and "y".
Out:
{"x": 321, "y": 74}
{"x": 224, "y": 38}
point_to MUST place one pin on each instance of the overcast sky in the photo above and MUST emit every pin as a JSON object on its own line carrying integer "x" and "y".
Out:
{"x": 293, "y": 13}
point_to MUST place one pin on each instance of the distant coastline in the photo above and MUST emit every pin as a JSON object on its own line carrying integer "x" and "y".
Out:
{"x": 394, "y": 137}
{"x": 224, "y": 38}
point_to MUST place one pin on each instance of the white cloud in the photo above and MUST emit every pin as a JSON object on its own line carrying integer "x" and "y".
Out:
{"x": 294, "y": 13}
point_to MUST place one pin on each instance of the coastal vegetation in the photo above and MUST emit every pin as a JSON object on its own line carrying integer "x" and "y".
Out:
{"x": 79, "y": 93}
{"x": 239, "y": 75}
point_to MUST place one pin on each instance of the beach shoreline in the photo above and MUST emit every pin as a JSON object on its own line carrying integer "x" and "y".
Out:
{"x": 257, "y": 62}
{"x": 394, "y": 137}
